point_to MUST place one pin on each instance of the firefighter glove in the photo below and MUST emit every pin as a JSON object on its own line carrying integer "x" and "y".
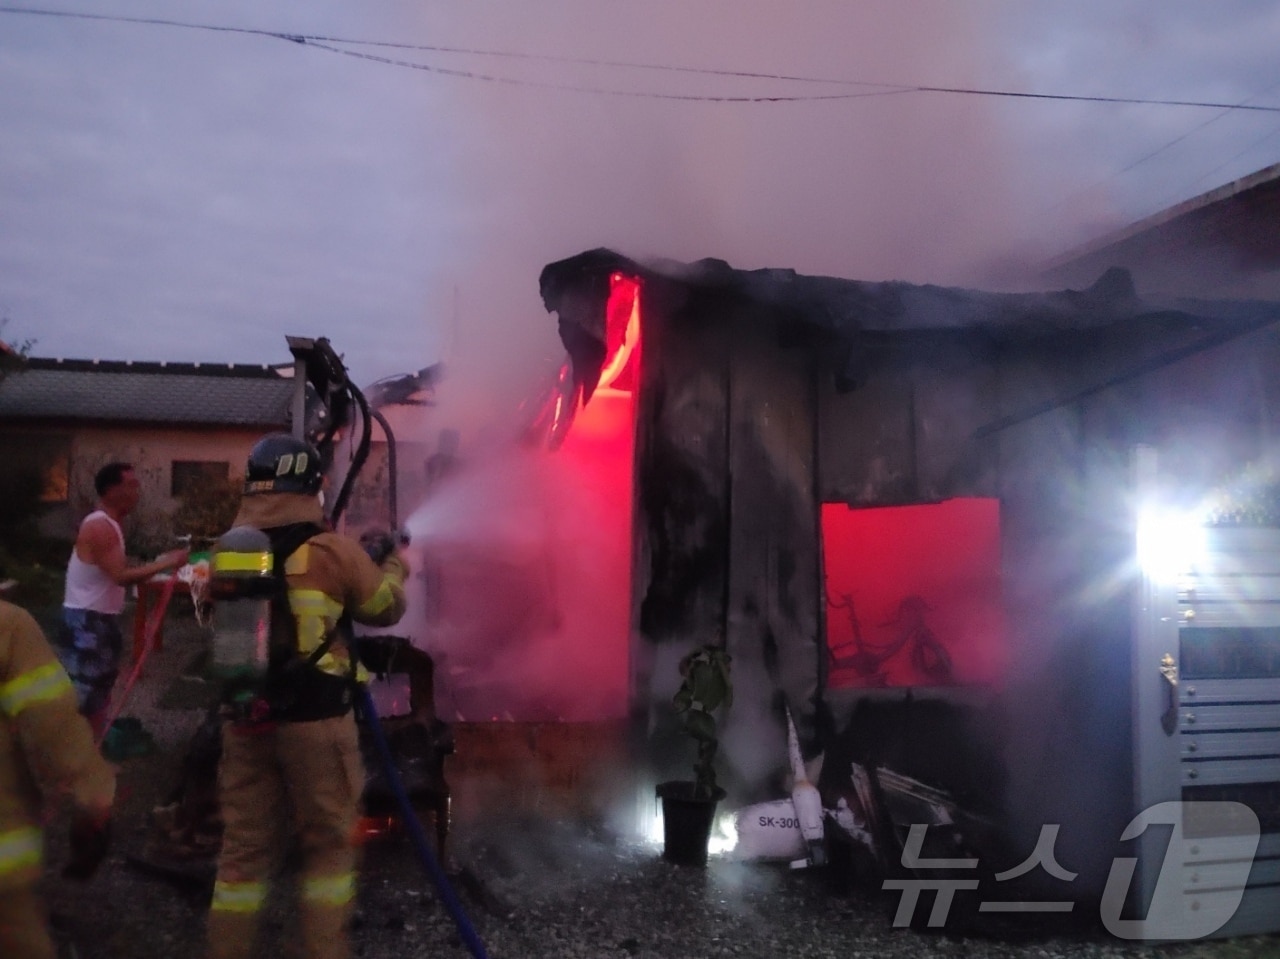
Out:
{"x": 90, "y": 839}
{"x": 379, "y": 544}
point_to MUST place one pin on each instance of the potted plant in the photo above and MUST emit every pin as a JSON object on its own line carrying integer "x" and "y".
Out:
{"x": 688, "y": 808}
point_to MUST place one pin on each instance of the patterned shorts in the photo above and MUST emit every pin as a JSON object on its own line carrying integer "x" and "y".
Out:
{"x": 89, "y": 645}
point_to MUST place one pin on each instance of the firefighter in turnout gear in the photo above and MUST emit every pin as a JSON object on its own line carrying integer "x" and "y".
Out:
{"x": 294, "y": 752}
{"x": 46, "y": 754}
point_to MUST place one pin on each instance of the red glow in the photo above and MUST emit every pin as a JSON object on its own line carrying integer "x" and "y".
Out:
{"x": 622, "y": 332}
{"x": 913, "y": 594}
{"x": 530, "y": 558}
{"x": 598, "y": 452}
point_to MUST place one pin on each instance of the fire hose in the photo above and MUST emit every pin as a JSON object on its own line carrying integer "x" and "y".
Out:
{"x": 420, "y": 844}
{"x": 430, "y": 864}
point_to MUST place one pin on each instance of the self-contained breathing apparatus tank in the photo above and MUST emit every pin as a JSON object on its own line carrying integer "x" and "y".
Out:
{"x": 241, "y": 585}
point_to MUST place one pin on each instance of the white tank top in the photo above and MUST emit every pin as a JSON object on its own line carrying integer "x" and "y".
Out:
{"x": 88, "y": 587}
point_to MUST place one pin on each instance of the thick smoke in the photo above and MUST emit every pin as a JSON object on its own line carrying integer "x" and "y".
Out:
{"x": 911, "y": 186}
{"x": 896, "y": 186}
{"x": 918, "y": 187}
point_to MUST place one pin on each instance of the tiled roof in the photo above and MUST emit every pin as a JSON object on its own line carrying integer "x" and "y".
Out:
{"x": 200, "y": 394}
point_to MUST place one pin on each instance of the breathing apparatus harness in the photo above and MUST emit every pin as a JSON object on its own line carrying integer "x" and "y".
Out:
{"x": 255, "y": 646}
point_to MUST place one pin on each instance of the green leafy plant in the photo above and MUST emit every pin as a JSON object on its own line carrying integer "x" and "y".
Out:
{"x": 704, "y": 690}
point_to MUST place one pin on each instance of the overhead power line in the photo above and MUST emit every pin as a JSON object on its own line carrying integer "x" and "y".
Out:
{"x": 603, "y": 91}
{"x": 879, "y": 88}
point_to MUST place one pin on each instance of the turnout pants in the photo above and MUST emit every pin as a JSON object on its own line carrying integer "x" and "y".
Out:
{"x": 312, "y": 773}
{"x": 24, "y": 933}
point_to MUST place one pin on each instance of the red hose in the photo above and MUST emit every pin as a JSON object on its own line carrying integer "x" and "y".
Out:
{"x": 149, "y": 632}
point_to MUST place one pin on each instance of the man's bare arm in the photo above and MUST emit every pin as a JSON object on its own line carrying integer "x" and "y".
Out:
{"x": 98, "y": 544}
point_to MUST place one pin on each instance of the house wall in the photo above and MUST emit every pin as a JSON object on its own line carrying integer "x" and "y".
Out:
{"x": 152, "y": 452}
{"x": 1052, "y": 743}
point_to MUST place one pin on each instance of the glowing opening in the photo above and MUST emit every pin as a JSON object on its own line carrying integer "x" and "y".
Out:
{"x": 914, "y": 594}
{"x": 622, "y": 332}
{"x": 1171, "y": 542}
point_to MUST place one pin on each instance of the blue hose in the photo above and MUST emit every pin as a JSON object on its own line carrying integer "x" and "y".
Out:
{"x": 429, "y": 862}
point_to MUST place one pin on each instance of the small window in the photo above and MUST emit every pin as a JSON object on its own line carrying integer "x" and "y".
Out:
{"x": 193, "y": 476}
{"x": 42, "y": 459}
{"x": 55, "y": 479}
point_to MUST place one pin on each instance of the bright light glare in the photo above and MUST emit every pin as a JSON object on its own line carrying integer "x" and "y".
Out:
{"x": 724, "y": 832}
{"x": 1170, "y": 542}
{"x": 653, "y": 834}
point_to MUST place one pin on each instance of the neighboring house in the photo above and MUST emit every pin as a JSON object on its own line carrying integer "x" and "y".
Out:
{"x": 179, "y": 423}
{"x": 1224, "y": 243}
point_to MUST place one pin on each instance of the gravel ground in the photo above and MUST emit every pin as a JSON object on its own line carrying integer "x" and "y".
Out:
{"x": 531, "y": 889}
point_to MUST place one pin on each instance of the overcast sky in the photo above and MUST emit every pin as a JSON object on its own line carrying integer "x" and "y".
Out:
{"x": 182, "y": 194}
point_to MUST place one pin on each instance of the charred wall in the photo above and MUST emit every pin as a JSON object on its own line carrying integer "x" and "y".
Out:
{"x": 764, "y": 395}
{"x": 726, "y": 536}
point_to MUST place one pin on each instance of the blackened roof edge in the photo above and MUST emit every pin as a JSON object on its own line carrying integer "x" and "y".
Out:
{"x": 857, "y": 306}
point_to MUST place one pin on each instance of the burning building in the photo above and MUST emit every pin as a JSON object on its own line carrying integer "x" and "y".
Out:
{"x": 927, "y": 523}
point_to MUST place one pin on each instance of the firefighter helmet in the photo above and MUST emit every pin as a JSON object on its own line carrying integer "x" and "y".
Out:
{"x": 281, "y": 463}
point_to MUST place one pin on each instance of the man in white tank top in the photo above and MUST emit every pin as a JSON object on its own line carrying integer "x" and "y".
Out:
{"x": 89, "y": 643}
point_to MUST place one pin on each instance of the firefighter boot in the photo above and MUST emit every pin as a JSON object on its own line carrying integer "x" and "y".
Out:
{"x": 231, "y": 933}
{"x": 326, "y": 909}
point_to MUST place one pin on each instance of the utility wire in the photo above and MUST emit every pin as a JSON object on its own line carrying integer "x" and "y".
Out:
{"x": 1151, "y": 154}
{"x": 594, "y": 62}
{"x": 325, "y": 43}
{"x": 1226, "y": 163}
{"x": 603, "y": 91}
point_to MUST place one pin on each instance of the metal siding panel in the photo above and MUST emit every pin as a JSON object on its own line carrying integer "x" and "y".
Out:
{"x": 1223, "y": 849}
{"x": 1222, "y": 614}
{"x": 1219, "y": 745}
{"x": 1230, "y": 589}
{"x": 1227, "y": 771}
{"x": 1249, "y": 716}
{"x": 1216, "y": 875}
{"x": 1258, "y": 691}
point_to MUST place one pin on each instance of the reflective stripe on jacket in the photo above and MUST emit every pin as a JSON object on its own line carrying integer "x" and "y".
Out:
{"x": 46, "y": 748}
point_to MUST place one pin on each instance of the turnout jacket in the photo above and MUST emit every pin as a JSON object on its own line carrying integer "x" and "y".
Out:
{"x": 328, "y": 575}
{"x": 47, "y": 751}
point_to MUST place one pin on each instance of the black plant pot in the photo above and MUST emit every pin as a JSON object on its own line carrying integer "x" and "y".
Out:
{"x": 686, "y": 822}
